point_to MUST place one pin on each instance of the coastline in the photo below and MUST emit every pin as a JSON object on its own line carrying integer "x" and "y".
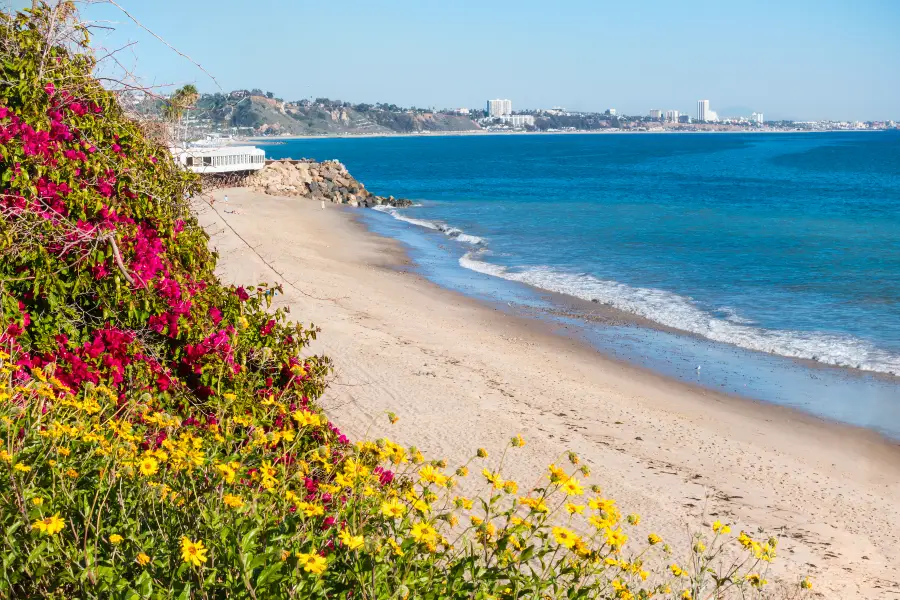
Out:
{"x": 285, "y": 138}
{"x": 452, "y": 367}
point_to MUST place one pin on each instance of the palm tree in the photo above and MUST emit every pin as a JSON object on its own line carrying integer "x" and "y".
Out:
{"x": 183, "y": 99}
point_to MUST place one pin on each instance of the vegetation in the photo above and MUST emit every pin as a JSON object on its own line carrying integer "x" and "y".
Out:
{"x": 160, "y": 435}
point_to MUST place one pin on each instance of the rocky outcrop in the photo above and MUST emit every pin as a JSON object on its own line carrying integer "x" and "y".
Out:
{"x": 328, "y": 180}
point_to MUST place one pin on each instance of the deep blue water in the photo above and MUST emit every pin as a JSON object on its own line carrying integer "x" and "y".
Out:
{"x": 788, "y": 244}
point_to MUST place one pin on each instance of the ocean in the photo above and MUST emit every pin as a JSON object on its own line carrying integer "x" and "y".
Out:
{"x": 765, "y": 265}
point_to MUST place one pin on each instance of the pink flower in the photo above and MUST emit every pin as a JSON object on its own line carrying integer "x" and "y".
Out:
{"x": 242, "y": 294}
{"x": 50, "y": 89}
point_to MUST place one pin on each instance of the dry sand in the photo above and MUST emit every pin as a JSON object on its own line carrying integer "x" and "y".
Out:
{"x": 461, "y": 375}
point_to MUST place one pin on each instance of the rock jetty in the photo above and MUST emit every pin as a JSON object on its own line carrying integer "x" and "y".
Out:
{"x": 328, "y": 180}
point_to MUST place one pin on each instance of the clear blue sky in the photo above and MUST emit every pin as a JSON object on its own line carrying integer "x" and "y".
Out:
{"x": 801, "y": 59}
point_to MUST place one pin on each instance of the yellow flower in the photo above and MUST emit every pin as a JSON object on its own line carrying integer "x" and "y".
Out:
{"x": 305, "y": 418}
{"x": 229, "y": 397}
{"x": 536, "y": 504}
{"x": 676, "y": 570}
{"x": 510, "y": 487}
{"x": 806, "y": 584}
{"x": 37, "y": 501}
{"x": 50, "y": 525}
{"x": 142, "y": 559}
{"x": 557, "y": 475}
{"x": 227, "y": 472}
{"x": 653, "y": 539}
{"x": 267, "y": 471}
{"x": 518, "y": 441}
{"x": 351, "y": 541}
{"x": 616, "y": 539}
{"x": 64, "y": 451}
{"x": 476, "y": 521}
{"x": 572, "y": 487}
{"x": 21, "y": 467}
{"x": 232, "y": 501}
{"x": 634, "y": 519}
{"x": 462, "y": 502}
{"x": 493, "y": 478}
{"x": 463, "y": 471}
{"x": 431, "y": 475}
{"x": 193, "y": 552}
{"x": 115, "y": 539}
{"x": 423, "y": 532}
{"x": 312, "y": 563}
{"x": 720, "y": 527}
{"x": 395, "y": 547}
{"x": 755, "y": 580}
{"x": 148, "y": 466}
{"x": 393, "y": 508}
{"x": 574, "y": 508}
{"x": 686, "y": 595}
{"x": 312, "y": 510}
{"x": 482, "y": 453}
{"x": 564, "y": 537}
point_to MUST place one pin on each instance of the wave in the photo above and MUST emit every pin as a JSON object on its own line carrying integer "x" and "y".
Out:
{"x": 679, "y": 312}
{"x": 451, "y": 232}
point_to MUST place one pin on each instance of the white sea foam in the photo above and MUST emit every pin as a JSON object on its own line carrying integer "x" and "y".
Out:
{"x": 679, "y": 312}
{"x": 451, "y": 232}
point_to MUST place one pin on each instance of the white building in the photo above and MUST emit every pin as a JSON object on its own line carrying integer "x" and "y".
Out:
{"x": 672, "y": 116}
{"x": 703, "y": 110}
{"x": 518, "y": 120}
{"x": 499, "y": 108}
{"x": 611, "y": 112}
{"x": 757, "y": 118}
{"x": 227, "y": 159}
{"x": 656, "y": 113}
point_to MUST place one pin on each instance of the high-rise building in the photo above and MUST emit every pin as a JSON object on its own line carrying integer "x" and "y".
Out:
{"x": 672, "y": 116}
{"x": 499, "y": 108}
{"x": 757, "y": 118}
{"x": 702, "y": 110}
{"x": 655, "y": 113}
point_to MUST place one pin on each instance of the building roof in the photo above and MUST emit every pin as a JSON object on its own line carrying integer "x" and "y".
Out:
{"x": 219, "y": 151}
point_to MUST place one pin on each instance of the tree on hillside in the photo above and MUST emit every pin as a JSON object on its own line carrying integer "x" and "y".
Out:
{"x": 182, "y": 100}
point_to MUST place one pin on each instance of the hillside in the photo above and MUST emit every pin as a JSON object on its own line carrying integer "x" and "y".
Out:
{"x": 272, "y": 116}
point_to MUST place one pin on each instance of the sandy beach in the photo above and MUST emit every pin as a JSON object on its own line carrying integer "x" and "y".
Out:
{"x": 461, "y": 374}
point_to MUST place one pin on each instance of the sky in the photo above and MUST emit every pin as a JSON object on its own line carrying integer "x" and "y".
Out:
{"x": 793, "y": 59}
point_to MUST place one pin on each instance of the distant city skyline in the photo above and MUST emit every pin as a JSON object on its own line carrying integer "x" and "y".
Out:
{"x": 800, "y": 59}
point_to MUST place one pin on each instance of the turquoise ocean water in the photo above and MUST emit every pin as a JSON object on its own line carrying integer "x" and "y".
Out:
{"x": 762, "y": 248}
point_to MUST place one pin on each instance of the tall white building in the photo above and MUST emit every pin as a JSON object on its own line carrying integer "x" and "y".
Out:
{"x": 499, "y": 108}
{"x": 672, "y": 116}
{"x": 655, "y": 113}
{"x": 702, "y": 110}
{"x": 757, "y": 118}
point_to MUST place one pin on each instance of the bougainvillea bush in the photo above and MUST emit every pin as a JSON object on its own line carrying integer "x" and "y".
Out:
{"x": 159, "y": 431}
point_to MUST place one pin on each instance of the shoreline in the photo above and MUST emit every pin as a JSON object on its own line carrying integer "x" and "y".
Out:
{"x": 452, "y": 367}
{"x": 428, "y": 134}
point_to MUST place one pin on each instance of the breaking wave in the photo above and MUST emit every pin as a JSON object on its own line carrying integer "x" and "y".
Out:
{"x": 451, "y": 232}
{"x": 679, "y": 312}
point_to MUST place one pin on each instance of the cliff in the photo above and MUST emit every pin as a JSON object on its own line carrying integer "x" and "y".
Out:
{"x": 323, "y": 117}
